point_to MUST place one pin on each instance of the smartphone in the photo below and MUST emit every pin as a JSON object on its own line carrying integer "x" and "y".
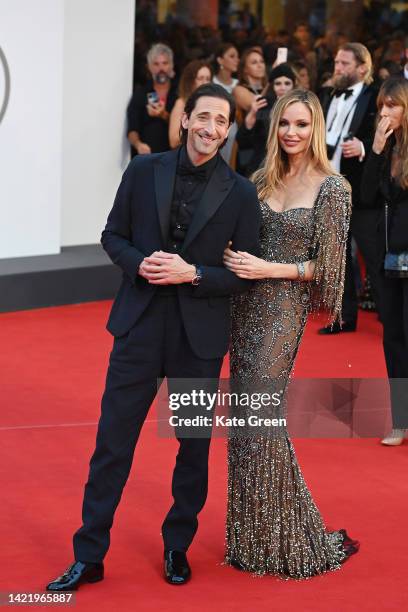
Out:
{"x": 152, "y": 98}
{"x": 348, "y": 136}
{"x": 282, "y": 56}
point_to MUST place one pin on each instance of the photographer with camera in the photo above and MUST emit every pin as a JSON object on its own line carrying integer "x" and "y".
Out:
{"x": 151, "y": 104}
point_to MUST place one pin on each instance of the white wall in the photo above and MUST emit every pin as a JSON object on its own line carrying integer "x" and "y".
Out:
{"x": 31, "y": 36}
{"x": 98, "y": 64}
{"x": 62, "y": 138}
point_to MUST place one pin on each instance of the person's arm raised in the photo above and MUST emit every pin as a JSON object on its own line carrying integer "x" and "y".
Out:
{"x": 370, "y": 181}
{"x": 243, "y": 97}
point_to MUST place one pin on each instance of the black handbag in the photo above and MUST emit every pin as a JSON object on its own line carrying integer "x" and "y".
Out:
{"x": 395, "y": 264}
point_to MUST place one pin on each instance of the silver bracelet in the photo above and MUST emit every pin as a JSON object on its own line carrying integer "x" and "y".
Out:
{"x": 301, "y": 270}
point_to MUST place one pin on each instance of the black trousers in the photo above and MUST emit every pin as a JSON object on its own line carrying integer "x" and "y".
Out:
{"x": 394, "y": 316}
{"x": 349, "y": 304}
{"x": 364, "y": 229}
{"x": 155, "y": 347}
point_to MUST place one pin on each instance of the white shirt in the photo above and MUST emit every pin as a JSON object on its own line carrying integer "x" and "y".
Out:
{"x": 339, "y": 118}
{"x": 406, "y": 71}
{"x": 229, "y": 87}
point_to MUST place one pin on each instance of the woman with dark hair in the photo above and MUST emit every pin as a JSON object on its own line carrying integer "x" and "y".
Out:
{"x": 253, "y": 132}
{"x": 386, "y": 176}
{"x": 196, "y": 73}
{"x": 227, "y": 61}
{"x": 226, "y": 64}
{"x": 282, "y": 79}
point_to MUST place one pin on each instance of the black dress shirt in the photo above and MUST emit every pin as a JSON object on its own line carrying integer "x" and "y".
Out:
{"x": 189, "y": 187}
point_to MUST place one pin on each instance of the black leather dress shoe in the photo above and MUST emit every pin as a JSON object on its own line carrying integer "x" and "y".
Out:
{"x": 176, "y": 567}
{"x": 336, "y": 329}
{"x": 75, "y": 575}
{"x": 237, "y": 565}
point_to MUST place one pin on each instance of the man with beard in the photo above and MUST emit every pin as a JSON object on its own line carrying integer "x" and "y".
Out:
{"x": 350, "y": 110}
{"x": 151, "y": 104}
{"x": 173, "y": 216}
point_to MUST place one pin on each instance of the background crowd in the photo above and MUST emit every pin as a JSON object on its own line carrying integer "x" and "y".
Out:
{"x": 258, "y": 67}
{"x": 241, "y": 58}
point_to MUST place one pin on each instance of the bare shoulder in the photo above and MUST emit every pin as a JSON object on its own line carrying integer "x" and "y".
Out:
{"x": 239, "y": 90}
{"x": 243, "y": 96}
{"x": 178, "y": 106}
{"x": 180, "y": 103}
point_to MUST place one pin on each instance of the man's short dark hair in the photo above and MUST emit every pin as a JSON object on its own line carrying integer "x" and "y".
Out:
{"x": 210, "y": 90}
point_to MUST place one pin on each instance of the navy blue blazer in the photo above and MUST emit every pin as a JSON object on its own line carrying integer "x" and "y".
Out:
{"x": 138, "y": 225}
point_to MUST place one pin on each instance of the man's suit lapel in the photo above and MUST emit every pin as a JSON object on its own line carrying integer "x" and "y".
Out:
{"x": 164, "y": 177}
{"x": 361, "y": 108}
{"x": 327, "y": 97}
{"x": 218, "y": 187}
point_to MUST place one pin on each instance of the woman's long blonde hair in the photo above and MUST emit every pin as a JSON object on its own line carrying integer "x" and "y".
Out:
{"x": 276, "y": 164}
{"x": 395, "y": 89}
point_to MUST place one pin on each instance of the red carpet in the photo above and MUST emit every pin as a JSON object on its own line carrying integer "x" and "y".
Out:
{"x": 52, "y": 373}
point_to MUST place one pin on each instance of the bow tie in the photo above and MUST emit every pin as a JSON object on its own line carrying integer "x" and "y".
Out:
{"x": 339, "y": 92}
{"x": 196, "y": 172}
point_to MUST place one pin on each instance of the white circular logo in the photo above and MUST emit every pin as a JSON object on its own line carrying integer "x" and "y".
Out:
{"x": 4, "y": 84}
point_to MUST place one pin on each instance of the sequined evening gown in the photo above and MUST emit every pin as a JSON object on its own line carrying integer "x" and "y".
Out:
{"x": 273, "y": 525}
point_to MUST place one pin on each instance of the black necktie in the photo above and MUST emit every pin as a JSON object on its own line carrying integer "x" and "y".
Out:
{"x": 196, "y": 172}
{"x": 339, "y": 92}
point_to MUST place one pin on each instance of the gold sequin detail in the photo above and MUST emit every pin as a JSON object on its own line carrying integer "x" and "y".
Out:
{"x": 273, "y": 525}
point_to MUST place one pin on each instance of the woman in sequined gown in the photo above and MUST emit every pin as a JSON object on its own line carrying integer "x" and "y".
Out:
{"x": 273, "y": 525}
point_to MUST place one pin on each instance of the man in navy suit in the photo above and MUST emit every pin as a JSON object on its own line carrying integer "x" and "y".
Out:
{"x": 172, "y": 218}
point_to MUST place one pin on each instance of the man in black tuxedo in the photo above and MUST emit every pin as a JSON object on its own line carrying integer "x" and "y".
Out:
{"x": 172, "y": 218}
{"x": 350, "y": 110}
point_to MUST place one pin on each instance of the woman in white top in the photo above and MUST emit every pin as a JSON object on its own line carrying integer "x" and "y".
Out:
{"x": 227, "y": 61}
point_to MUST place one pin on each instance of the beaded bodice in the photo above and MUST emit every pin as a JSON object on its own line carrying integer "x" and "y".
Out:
{"x": 286, "y": 236}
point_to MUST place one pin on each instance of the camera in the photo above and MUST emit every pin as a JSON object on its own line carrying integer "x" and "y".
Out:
{"x": 152, "y": 98}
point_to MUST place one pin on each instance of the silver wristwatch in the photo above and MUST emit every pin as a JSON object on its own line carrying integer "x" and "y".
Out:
{"x": 197, "y": 277}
